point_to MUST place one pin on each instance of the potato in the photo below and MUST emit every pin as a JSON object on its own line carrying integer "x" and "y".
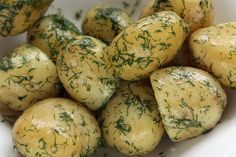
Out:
{"x": 58, "y": 128}
{"x": 105, "y": 22}
{"x": 214, "y": 49}
{"x": 90, "y": 134}
{"x": 190, "y": 101}
{"x": 86, "y": 73}
{"x": 51, "y": 33}
{"x": 48, "y": 129}
{"x": 16, "y": 16}
{"x": 147, "y": 45}
{"x": 131, "y": 121}
{"x": 26, "y": 76}
{"x": 197, "y": 13}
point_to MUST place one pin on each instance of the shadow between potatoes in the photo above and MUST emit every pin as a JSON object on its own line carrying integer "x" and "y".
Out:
{"x": 9, "y": 43}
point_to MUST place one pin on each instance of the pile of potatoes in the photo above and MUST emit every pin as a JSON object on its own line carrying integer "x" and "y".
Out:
{"x": 139, "y": 78}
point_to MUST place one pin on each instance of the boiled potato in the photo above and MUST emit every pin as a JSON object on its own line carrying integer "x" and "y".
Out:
{"x": 90, "y": 134}
{"x": 48, "y": 129}
{"x": 105, "y": 22}
{"x": 147, "y": 45}
{"x": 197, "y": 13}
{"x": 190, "y": 101}
{"x": 214, "y": 49}
{"x": 50, "y": 34}
{"x": 86, "y": 73}
{"x": 56, "y": 128}
{"x": 131, "y": 121}
{"x": 16, "y": 16}
{"x": 26, "y": 76}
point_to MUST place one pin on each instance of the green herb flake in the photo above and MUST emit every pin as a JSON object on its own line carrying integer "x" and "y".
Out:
{"x": 78, "y": 14}
{"x": 122, "y": 126}
{"x": 66, "y": 117}
{"x": 21, "y": 98}
{"x": 6, "y": 63}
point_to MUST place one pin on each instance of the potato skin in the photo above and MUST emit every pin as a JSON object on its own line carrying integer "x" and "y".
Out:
{"x": 27, "y": 75}
{"x": 190, "y": 101}
{"x": 105, "y": 22}
{"x": 56, "y": 127}
{"x": 214, "y": 49}
{"x": 47, "y": 128}
{"x": 131, "y": 120}
{"x": 90, "y": 134}
{"x": 17, "y": 16}
{"x": 50, "y": 33}
{"x": 86, "y": 73}
{"x": 147, "y": 45}
{"x": 197, "y": 13}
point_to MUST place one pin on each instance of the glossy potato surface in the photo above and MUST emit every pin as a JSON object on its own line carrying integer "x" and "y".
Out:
{"x": 131, "y": 120}
{"x": 16, "y": 16}
{"x": 147, "y": 45}
{"x": 190, "y": 101}
{"x": 214, "y": 49}
{"x": 57, "y": 128}
{"x": 86, "y": 73}
{"x": 27, "y": 75}
{"x": 105, "y": 22}
{"x": 197, "y": 13}
{"x": 50, "y": 34}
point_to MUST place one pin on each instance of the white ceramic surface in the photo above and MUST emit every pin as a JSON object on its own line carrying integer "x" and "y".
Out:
{"x": 220, "y": 142}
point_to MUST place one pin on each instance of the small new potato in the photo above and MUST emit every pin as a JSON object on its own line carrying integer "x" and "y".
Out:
{"x": 105, "y": 22}
{"x": 86, "y": 73}
{"x": 197, "y": 13}
{"x": 190, "y": 100}
{"x": 50, "y": 34}
{"x": 131, "y": 120}
{"x": 214, "y": 49}
{"x": 26, "y": 76}
{"x": 48, "y": 128}
{"x": 16, "y": 16}
{"x": 147, "y": 45}
{"x": 90, "y": 134}
{"x": 56, "y": 128}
